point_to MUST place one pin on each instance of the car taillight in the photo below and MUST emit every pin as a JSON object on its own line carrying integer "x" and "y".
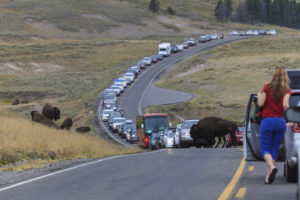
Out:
{"x": 146, "y": 139}
{"x": 295, "y": 128}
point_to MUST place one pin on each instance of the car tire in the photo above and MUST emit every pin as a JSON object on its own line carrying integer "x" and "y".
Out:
{"x": 291, "y": 173}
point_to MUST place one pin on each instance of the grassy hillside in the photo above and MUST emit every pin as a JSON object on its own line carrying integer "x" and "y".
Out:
{"x": 223, "y": 79}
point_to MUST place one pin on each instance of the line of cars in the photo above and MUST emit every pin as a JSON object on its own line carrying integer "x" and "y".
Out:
{"x": 253, "y": 32}
{"x": 114, "y": 115}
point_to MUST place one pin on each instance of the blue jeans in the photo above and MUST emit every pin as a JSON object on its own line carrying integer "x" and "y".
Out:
{"x": 272, "y": 130}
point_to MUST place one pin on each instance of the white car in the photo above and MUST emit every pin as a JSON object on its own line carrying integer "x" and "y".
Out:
{"x": 105, "y": 114}
{"x": 234, "y": 33}
{"x": 118, "y": 121}
{"x": 249, "y": 32}
{"x": 214, "y": 36}
{"x": 116, "y": 89}
{"x": 176, "y": 136}
{"x": 169, "y": 138}
{"x": 255, "y": 32}
{"x": 129, "y": 77}
{"x": 147, "y": 61}
{"x": 180, "y": 47}
{"x": 272, "y": 32}
{"x": 119, "y": 84}
{"x": 121, "y": 80}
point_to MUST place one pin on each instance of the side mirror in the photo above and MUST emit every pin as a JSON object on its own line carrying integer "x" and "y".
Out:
{"x": 142, "y": 125}
{"x": 292, "y": 114}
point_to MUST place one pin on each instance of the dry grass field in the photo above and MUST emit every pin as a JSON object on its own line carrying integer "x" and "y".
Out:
{"x": 30, "y": 144}
{"x": 223, "y": 79}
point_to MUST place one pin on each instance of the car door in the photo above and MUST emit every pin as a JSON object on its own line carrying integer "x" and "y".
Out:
{"x": 251, "y": 136}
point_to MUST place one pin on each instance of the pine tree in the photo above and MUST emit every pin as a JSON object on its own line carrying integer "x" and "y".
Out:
{"x": 220, "y": 11}
{"x": 228, "y": 9}
{"x": 154, "y": 5}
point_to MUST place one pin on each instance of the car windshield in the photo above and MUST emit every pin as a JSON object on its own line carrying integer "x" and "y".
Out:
{"x": 156, "y": 123}
{"x": 188, "y": 124}
{"x": 128, "y": 75}
{"x": 171, "y": 135}
{"x": 294, "y": 79}
{"x": 147, "y": 58}
{"x": 119, "y": 121}
{"x": 128, "y": 126}
{"x": 107, "y": 111}
{"x": 115, "y": 87}
{"x": 111, "y": 103}
{"x": 109, "y": 96}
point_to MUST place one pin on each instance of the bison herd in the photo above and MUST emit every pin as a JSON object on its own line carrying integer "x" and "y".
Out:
{"x": 207, "y": 129}
{"x": 51, "y": 114}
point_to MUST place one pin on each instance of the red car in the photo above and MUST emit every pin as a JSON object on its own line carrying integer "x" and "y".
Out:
{"x": 239, "y": 137}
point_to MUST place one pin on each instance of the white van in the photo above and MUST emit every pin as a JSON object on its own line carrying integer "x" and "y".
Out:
{"x": 164, "y": 49}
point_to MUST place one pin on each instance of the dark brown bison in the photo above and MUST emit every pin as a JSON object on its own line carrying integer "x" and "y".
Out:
{"x": 15, "y": 102}
{"x": 39, "y": 118}
{"x": 67, "y": 124}
{"x": 48, "y": 111}
{"x": 52, "y": 113}
{"x": 56, "y": 113}
{"x": 211, "y": 127}
{"x": 83, "y": 129}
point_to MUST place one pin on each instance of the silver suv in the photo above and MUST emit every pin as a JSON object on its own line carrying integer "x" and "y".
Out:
{"x": 185, "y": 139}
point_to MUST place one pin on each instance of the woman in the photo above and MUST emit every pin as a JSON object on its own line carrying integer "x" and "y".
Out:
{"x": 274, "y": 99}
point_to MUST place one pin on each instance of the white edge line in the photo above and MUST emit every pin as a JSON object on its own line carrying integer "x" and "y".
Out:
{"x": 72, "y": 168}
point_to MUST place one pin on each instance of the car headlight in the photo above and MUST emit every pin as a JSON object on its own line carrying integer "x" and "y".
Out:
{"x": 114, "y": 126}
{"x": 187, "y": 133}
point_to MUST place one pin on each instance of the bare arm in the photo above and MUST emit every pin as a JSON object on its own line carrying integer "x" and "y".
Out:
{"x": 286, "y": 100}
{"x": 261, "y": 98}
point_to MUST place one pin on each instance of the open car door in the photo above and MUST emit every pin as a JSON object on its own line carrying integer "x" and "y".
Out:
{"x": 251, "y": 137}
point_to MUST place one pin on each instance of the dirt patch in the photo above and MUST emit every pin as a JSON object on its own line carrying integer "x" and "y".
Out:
{"x": 18, "y": 68}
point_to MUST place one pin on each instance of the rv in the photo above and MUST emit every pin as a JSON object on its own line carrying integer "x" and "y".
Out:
{"x": 164, "y": 49}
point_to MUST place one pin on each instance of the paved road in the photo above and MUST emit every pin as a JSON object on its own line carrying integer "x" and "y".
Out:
{"x": 169, "y": 174}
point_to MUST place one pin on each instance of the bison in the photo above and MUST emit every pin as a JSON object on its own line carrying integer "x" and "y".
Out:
{"x": 39, "y": 118}
{"x": 67, "y": 124}
{"x": 52, "y": 113}
{"x": 83, "y": 129}
{"x": 211, "y": 127}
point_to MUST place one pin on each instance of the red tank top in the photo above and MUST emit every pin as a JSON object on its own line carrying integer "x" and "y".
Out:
{"x": 272, "y": 107}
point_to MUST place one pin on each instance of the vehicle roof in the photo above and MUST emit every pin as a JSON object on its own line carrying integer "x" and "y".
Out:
{"x": 128, "y": 121}
{"x": 155, "y": 114}
{"x": 108, "y": 110}
{"x": 191, "y": 120}
{"x": 119, "y": 118}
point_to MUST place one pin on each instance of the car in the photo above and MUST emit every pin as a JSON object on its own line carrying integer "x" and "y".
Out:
{"x": 176, "y": 136}
{"x": 154, "y": 141}
{"x": 141, "y": 64}
{"x": 185, "y": 139}
{"x": 249, "y": 32}
{"x": 262, "y": 32}
{"x": 117, "y": 121}
{"x": 242, "y": 33}
{"x": 191, "y": 42}
{"x": 108, "y": 90}
{"x": 162, "y": 137}
{"x": 272, "y": 32}
{"x": 202, "y": 39}
{"x": 174, "y": 48}
{"x": 136, "y": 68}
{"x": 169, "y": 138}
{"x": 154, "y": 59}
{"x": 185, "y": 45}
{"x": 131, "y": 135}
{"x": 109, "y": 97}
{"x": 214, "y": 36}
{"x": 120, "y": 85}
{"x": 239, "y": 137}
{"x": 208, "y": 38}
{"x": 117, "y": 89}
{"x": 255, "y": 32}
{"x": 105, "y": 114}
{"x": 129, "y": 77}
{"x": 111, "y": 117}
{"x": 126, "y": 127}
{"x": 288, "y": 150}
{"x": 234, "y": 33}
{"x": 110, "y": 105}
{"x": 121, "y": 80}
{"x": 120, "y": 110}
{"x": 180, "y": 47}
{"x": 147, "y": 61}
{"x": 160, "y": 57}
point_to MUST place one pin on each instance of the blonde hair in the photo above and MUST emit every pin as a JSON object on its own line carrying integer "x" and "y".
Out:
{"x": 279, "y": 83}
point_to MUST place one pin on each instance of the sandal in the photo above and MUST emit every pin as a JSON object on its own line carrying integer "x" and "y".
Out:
{"x": 272, "y": 176}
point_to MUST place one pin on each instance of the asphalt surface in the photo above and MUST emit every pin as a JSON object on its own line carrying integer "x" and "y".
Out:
{"x": 169, "y": 174}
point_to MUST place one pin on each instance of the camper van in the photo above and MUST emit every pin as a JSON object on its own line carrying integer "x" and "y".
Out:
{"x": 164, "y": 49}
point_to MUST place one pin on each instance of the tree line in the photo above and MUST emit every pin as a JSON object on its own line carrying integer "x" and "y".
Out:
{"x": 279, "y": 12}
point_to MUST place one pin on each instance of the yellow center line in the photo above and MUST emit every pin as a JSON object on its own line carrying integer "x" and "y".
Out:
{"x": 251, "y": 168}
{"x": 241, "y": 193}
{"x": 228, "y": 190}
